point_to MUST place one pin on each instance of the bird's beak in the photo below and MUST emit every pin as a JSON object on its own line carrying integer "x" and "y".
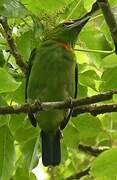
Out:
{"x": 78, "y": 24}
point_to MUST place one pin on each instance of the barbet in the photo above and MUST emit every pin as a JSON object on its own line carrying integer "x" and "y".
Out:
{"x": 53, "y": 77}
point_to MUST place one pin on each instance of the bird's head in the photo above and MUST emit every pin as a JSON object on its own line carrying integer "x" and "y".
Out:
{"x": 67, "y": 32}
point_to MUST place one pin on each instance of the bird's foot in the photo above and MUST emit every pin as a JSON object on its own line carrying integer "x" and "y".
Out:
{"x": 66, "y": 118}
{"x": 69, "y": 102}
{"x": 38, "y": 105}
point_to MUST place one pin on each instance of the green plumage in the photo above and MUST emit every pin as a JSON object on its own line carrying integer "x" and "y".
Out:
{"x": 52, "y": 78}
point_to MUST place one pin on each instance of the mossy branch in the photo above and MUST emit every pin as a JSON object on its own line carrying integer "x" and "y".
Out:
{"x": 13, "y": 48}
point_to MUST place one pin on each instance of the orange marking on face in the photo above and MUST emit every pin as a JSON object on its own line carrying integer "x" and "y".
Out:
{"x": 67, "y": 46}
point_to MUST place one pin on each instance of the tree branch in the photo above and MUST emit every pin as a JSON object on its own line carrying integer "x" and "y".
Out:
{"x": 80, "y": 106}
{"x": 12, "y": 45}
{"x": 47, "y": 106}
{"x": 110, "y": 19}
{"x": 95, "y": 109}
{"x": 96, "y": 98}
{"x": 78, "y": 175}
{"x": 92, "y": 150}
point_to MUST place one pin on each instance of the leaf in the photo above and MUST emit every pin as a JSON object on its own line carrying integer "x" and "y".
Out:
{"x": 74, "y": 10}
{"x": 108, "y": 79}
{"x": 4, "y": 119}
{"x": 82, "y": 90}
{"x": 19, "y": 94}
{"x": 12, "y": 9}
{"x": 21, "y": 174}
{"x": 105, "y": 164}
{"x": 109, "y": 61}
{"x": 38, "y": 29}
{"x": 25, "y": 44}
{"x": 71, "y": 136}
{"x": 88, "y": 78}
{"x": 93, "y": 38}
{"x": 29, "y": 153}
{"x": 88, "y": 4}
{"x": 7, "y": 83}
{"x": 7, "y": 153}
{"x": 26, "y": 132}
{"x": 87, "y": 125}
{"x": 16, "y": 122}
{"x": 50, "y": 6}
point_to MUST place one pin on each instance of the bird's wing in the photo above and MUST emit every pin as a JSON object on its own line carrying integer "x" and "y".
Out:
{"x": 76, "y": 81}
{"x": 69, "y": 113}
{"x": 30, "y": 63}
{"x": 31, "y": 60}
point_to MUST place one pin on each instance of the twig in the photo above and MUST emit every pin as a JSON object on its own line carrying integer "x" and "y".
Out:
{"x": 110, "y": 19}
{"x": 94, "y": 51}
{"x": 12, "y": 45}
{"x": 96, "y": 98}
{"x": 92, "y": 150}
{"x": 78, "y": 175}
{"x": 95, "y": 109}
{"x": 47, "y": 106}
{"x": 80, "y": 106}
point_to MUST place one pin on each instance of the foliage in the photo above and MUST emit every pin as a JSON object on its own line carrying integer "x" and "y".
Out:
{"x": 20, "y": 146}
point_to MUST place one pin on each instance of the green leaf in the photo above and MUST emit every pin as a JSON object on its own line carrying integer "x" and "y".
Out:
{"x": 108, "y": 79}
{"x": 71, "y": 136}
{"x": 82, "y": 90}
{"x": 88, "y": 4}
{"x": 50, "y": 6}
{"x": 12, "y": 9}
{"x": 74, "y": 10}
{"x": 29, "y": 153}
{"x": 112, "y": 2}
{"x": 19, "y": 94}
{"x": 7, "y": 153}
{"x": 87, "y": 125}
{"x": 105, "y": 165}
{"x": 26, "y": 132}
{"x": 25, "y": 44}
{"x": 4, "y": 119}
{"x": 21, "y": 174}
{"x": 88, "y": 78}
{"x": 38, "y": 30}
{"x": 93, "y": 38}
{"x": 109, "y": 61}
{"x": 7, "y": 83}
{"x": 16, "y": 122}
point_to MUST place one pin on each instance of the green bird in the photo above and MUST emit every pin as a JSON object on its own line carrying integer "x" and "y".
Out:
{"x": 53, "y": 77}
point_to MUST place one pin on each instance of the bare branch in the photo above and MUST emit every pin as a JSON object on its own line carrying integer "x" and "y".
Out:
{"x": 78, "y": 175}
{"x": 95, "y": 109}
{"x": 47, "y": 106}
{"x": 12, "y": 45}
{"x": 96, "y": 98}
{"x": 80, "y": 106}
{"x": 110, "y": 19}
{"x": 92, "y": 150}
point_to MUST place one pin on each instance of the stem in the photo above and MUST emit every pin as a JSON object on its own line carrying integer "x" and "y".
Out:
{"x": 95, "y": 51}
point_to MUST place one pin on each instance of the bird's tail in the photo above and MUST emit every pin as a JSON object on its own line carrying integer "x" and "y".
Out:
{"x": 51, "y": 152}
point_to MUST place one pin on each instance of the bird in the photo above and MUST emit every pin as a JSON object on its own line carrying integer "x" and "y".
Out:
{"x": 53, "y": 76}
